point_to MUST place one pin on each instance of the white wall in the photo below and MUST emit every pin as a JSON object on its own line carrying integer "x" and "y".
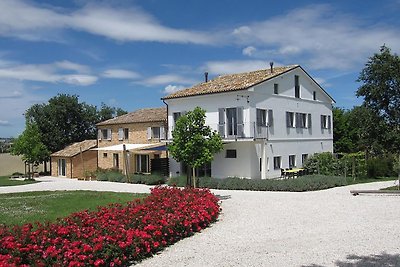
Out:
{"x": 282, "y": 141}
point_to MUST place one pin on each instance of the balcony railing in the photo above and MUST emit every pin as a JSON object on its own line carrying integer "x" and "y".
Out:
{"x": 247, "y": 130}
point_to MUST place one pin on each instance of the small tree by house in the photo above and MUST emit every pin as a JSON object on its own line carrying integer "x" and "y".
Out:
{"x": 194, "y": 143}
{"x": 30, "y": 146}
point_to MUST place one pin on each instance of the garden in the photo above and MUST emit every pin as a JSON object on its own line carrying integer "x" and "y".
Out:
{"x": 116, "y": 235}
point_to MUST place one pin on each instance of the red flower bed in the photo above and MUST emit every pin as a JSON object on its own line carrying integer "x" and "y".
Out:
{"x": 113, "y": 235}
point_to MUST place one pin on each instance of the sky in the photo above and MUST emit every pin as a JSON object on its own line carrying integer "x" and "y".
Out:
{"x": 129, "y": 54}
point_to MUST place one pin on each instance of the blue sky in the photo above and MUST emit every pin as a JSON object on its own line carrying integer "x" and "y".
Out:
{"x": 129, "y": 54}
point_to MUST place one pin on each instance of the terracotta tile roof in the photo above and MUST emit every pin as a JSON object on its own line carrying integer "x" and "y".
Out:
{"x": 75, "y": 148}
{"x": 232, "y": 82}
{"x": 141, "y": 115}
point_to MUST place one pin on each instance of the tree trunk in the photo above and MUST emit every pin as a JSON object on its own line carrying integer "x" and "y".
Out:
{"x": 194, "y": 177}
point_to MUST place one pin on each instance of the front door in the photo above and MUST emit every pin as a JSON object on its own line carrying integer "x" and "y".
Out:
{"x": 142, "y": 163}
{"x": 62, "y": 167}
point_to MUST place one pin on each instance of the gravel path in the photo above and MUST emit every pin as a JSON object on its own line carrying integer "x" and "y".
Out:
{"x": 323, "y": 228}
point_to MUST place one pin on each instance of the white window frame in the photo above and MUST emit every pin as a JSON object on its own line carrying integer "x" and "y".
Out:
{"x": 277, "y": 162}
{"x": 290, "y": 119}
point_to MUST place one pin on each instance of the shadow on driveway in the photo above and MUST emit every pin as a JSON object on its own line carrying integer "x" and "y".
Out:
{"x": 384, "y": 259}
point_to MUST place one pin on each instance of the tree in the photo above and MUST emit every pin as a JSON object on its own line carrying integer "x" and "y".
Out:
{"x": 63, "y": 120}
{"x": 381, "y": 92}
{"x": 30, "y": 146}
{"x": 343, "y": 140}
{"x": 194, "y": 143}
{"x": 106, "y": 112}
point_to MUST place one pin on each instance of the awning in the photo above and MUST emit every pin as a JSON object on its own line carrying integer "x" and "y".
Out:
{"x": 157, "y": 148}
{"x": 130, "y": 147}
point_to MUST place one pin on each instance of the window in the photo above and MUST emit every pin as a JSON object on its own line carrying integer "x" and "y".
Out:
{"x": 123, "y": 133}
{"x": 261, "y": 117}
{"x": 276, "y": 88}
{"x": 277, "y": 163}
{"x": 142, "y": 163}
{"x": 62, "y": 167}
{"x": 231, "y": 153}
{"x": 325, "y": 122}
{"x": 314, "y": 95}
{"x": 303, "y": 120}
{"x": 104, "y": 155}
{"x": 176, "y": 116}
{"x": 231, "y": 122}
{"x": 116, "y": 160}
{"x": 292, "y": 161}
{"x": 290, "y": 119}
{"x": 296, "y": 86}
{"x": 304, "y": 158}
{"x": 104, "y": 134}
{"x": 155, "y": 133}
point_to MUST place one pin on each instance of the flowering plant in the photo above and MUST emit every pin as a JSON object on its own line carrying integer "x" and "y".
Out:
{"x": 111, "y": 236}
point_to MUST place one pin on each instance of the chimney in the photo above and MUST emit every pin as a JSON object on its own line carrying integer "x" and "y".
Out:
{"x": 206, "y": 76}
{"x": 272, "y": 66}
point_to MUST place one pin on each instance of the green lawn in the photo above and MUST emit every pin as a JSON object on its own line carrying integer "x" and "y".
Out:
{"x": 30, "y": 207}
{"x": 6, "y": 181}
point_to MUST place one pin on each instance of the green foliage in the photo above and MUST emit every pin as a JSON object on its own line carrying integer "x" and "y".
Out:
{"x": 30, "y": 146}
{"x": 177, "y": 181}
{"x": 153, "y": 179}
{"x": 6, "y": 181}
{"x": 381, "y": 167}
{"x": 322, "y": 163}
{"x": 194, "y": 143}
{"x": 300, "y": 184}
{"x": 30, "y": 207}
{"x": 110, "y": 175}
{"x": 64, "y": 120}
{"x": 380, "y": 89}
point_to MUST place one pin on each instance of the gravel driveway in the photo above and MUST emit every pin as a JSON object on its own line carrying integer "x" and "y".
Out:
{"x": 323, "y": 228}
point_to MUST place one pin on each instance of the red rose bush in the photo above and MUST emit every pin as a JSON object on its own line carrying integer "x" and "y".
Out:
{"x": 111, "y": 236}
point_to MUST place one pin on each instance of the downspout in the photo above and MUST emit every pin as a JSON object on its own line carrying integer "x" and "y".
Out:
{"x": 167, "y": 123}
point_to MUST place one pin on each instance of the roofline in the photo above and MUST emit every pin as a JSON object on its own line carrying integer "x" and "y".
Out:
{"x": 328, "y": 95}
{"x": 245, "y": 88}
{"x": 101, "y": 123}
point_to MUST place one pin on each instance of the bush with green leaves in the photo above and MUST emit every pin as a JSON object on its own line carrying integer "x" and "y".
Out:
{"x": 381, "y": 167}
{"x": 110, "y": 175}
{"x": 152, "y": 179}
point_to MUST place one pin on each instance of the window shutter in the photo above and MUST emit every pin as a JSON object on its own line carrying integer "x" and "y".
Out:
{"x": 270, "y": 118}
{"x": 309, "y": 121}
{"x": 288, "y": 119}
{"x": 258, "y": 117}
{"x": 109, "y": 134}
{"x": 322, "y": 121}
{"x": 120, "y": 134}
{"x": 240, "y": 123}
{"x": 149, "y": 133}
{"x": 99, "y": 134}
{"x": 221, "y": 122}
{"x": 162, "y": 133}
{"x": 329, "y": 122}
{"x": 298, "y": 120}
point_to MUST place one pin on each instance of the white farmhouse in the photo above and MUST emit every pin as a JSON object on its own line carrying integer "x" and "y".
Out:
{"x": 269, "y": 120}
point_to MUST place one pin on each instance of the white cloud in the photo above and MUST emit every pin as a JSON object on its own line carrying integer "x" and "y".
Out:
{"x": 53, "y": 73}
{"x": 13, "y": 94}
{"x": 5, "y": 123}
{"x": 318, "y": 36}
{"x": 167, "y": 79}
{"x": 33, "y": 22}
{"x": 235, "y": 66}
{"x": 120, "y": 74}
{"x": 169, "y": 89}
{"x": 249, "y": 50}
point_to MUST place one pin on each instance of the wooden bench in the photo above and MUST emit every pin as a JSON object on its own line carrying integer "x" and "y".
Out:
{"x": 357, "y": 192}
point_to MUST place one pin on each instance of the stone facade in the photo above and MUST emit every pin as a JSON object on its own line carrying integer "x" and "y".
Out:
{"x": 74, "y": 167}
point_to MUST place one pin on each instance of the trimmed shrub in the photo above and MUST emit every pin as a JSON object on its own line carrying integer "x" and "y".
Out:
{"x": 152, "y": 179}
{"x": 177, "y": 181}
{"x": 110, "y": 175}
{"x": 300, "y": 184}
{"x": 380, "y": 167}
